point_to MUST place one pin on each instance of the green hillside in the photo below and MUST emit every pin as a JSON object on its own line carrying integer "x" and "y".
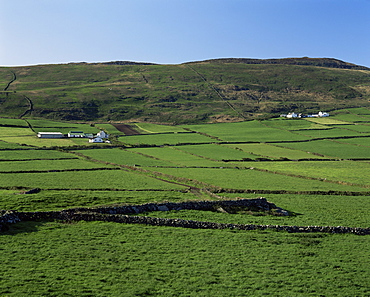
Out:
{"x": 207, "y": 91}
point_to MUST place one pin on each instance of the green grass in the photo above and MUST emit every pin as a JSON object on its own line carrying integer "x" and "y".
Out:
{"x": 111, "y": 130}
{"x": 254, "y": 180}
{"x": 217, "y": 152}
{"x": 307, "y": 210}
{"x": 272, "y": 151}
{"x": 252, "y": 131}
{"x": 100, "y": 179}
{"x": 334, "y": 149}
{"x": 47, "y": 200}
{"x": 105, "y": 259}
{"x": 15, "y": 132}
{"x": 13, "y": 122}
{"x": 154, "y": 128}
{"x": 33, "y": 154}
{"x": 111, "y": 259}
{"x": 346, "y": 171}
{"x": 36, "y": 165}
{"x": 177, "y": 157}
{"x": 123, "y": 157}
{"x": 161, "y": 139}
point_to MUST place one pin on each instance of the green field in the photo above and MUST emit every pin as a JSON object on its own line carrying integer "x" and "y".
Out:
{"x": 108, "y": 259}
{"x": 57, "y": 258}
{"x": 331, "y": 149}
{"x": 162, "y": 139}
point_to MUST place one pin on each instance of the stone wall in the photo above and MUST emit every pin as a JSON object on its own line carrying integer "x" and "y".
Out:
{"x": 119, "y": 215}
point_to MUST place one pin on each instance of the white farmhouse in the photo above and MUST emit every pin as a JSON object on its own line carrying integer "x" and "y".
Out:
{"x": 293, "y": 115}
{"x": 102, "y": 134}
{"x": 96, "y": 139}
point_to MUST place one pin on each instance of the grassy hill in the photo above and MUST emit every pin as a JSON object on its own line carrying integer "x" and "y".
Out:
{"x": 205, "y": 91}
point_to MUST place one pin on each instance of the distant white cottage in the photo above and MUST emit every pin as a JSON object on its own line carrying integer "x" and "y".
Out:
{"x": 293, "y": 115}
{"x": 102, "y": 134}
{"x": 96, "y": 139}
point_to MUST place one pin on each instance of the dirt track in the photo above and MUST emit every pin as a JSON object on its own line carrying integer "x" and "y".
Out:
{"x": 126, "y": 129}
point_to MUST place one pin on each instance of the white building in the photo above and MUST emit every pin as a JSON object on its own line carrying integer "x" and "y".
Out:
{"x": 50, "y": 135}
{"x": 96, "y": 139}
{"x": 102, "y": 134}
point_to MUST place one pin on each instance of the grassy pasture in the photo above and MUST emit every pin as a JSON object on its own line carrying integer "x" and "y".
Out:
{"x": 36, "y": 165}
{"x": 38, "y": 142}
{"x": 253, "y": 131}
{"x": 123, "y": 157}
{"x": 100, "y": 179}
{"x": 349, "y": 117}
{"x": 329, "y": 133}
{"x": 357, "y": 128}
{"x": 363, "y": 141}
{"x": 111, "y": 130}
{"x": 293, "y": 124}
{"x": 154, "y": 128}
{"x": 108, "y": 259}
{"x": 33, "y": 154}
{"x": 308, "y": 210}
{"x": 15, "y": 132}
{"x": 345, "y": 171}
{"x": 177, "y": 157}
{"x": 13, "y": 122}
{"x": 11, "y": 145}
{"x": 328, "y": 148}
{"x": 272, "y": 151}
{"x": 254, "y": 180}
{"x": 217, "y": 152}
{"x": 160, "y": 139}
{"x": 328, "y": 121}
{"x": 47, "y": 200}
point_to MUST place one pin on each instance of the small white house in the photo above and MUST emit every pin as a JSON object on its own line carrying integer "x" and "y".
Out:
{"x": 323, "y": 114}
{"x": 293, "y": 115}
{"x": 102, "y": 134}
{"x": 96, "y": 139}
{"x": 50, "y": 135}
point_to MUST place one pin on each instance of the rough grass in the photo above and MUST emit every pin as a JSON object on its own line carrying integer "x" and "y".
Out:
{"x": 108, "y": 259}
{"x": 254, "y": 180}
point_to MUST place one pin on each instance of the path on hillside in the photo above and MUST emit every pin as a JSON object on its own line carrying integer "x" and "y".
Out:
{"x": 217, "y": 92}
{"x": 9, "y": 83}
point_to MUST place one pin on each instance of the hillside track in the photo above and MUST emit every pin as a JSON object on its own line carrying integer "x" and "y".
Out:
{"x": 10, "y": 82}
{"x": 217, "y": 92}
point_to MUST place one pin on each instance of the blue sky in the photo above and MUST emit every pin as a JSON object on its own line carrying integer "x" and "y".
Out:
{"x": 175, "y": 31}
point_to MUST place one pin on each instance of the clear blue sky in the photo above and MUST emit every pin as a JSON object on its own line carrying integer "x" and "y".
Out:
{"x": 175, "y": 31}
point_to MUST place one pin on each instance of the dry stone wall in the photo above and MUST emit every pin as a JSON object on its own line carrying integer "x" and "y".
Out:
{"x": 119, "y": 214}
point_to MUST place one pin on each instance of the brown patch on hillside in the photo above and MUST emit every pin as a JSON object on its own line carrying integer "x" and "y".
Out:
{"x": 127, "y": 129}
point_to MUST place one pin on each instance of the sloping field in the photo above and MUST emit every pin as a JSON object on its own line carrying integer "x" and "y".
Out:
{"x": 331, "y": 149}
{"x": 273, "y": 151}
{"x": 161, "y": 139}
{"x": 253, "y": 131}
{"x": 124, "y": 157}
{"x": 345, "y": 171}
{"x": 177, "y": 157}
{"x": 97, "y": 179}
{"x": 217, "y": 152}
{"x": 247, "y": 179}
